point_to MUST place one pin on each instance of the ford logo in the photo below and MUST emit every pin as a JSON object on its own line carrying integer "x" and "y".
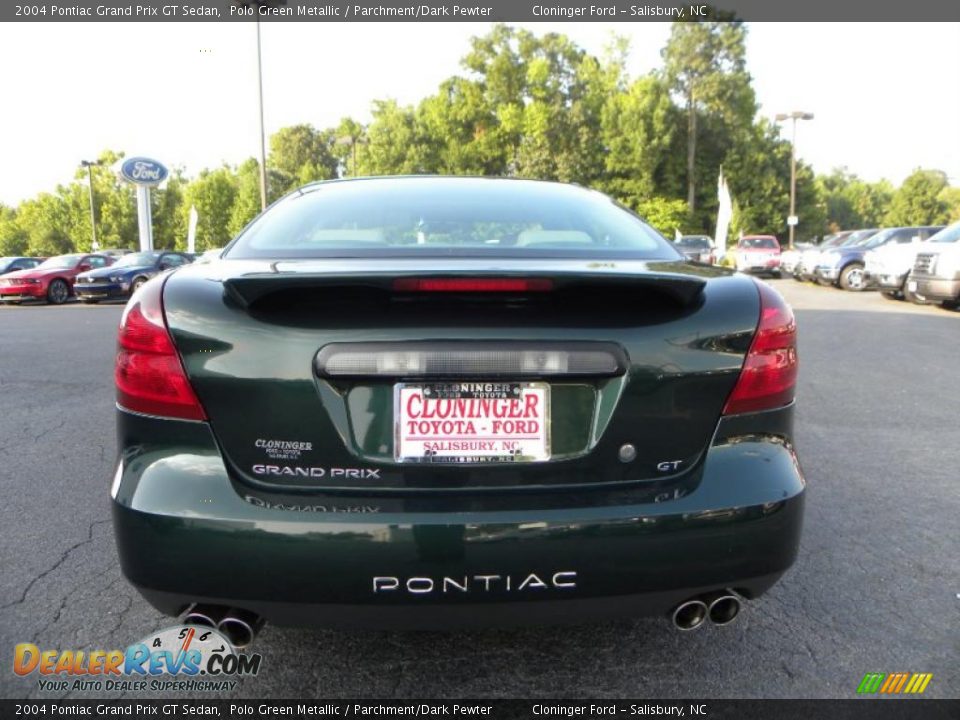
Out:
{"x": 143, "y": 171}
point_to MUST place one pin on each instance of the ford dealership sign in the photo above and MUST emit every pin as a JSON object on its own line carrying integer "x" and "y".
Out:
{"x": 143, "y": 171}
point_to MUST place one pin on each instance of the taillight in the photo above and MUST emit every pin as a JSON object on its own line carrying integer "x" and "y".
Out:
{"x": 149, "y": 376}
{"x": 769, "y": 376}
{"x": 473, "y": 284}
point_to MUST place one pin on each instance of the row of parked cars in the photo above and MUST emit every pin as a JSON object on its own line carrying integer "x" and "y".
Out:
{"x": 917, "y": 263}
{"x": 752, "y": 253}
{"x": 91, "y": 277}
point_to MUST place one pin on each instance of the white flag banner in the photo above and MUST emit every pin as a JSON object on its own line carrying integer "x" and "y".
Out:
{"x": 724, "y": 215}
{"x": 192, "y": 230}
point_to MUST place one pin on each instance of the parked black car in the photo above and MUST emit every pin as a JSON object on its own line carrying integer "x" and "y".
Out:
{"x": 699, "y": 248}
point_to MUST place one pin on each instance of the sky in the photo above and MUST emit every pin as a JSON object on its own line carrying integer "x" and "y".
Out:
{"x": 886, "y": 97}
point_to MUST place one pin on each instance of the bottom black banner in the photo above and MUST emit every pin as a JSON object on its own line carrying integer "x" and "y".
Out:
{"x": 867, "y": 709}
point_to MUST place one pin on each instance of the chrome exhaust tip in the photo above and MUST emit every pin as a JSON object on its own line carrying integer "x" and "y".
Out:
{"x": 690, "y": 615}
{"x": 240, "y": 627}
{"x": 724, "y": 609}
{"x": 205, "y": 615}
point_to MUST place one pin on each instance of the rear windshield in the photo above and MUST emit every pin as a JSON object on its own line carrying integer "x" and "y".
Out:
{"x": 442, "y": 217}
{"x": 694, "y": 242}
{"x": 137, "y": 259}
{"x": 766, "y": 243}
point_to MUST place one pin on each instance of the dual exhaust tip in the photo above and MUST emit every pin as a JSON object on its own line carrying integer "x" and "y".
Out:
{"x": 239, "y": 626}
{"x": 721, "y": 608}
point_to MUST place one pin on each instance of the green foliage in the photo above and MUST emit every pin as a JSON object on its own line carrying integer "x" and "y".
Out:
{"x": 299, "y": 154}
{"x": 639, "y": 126}
{"x": 854, "y": 203}
{"x": 169, "y": 221}
{"x": 213, "y": 194}
{"x": 665, "y": 214}
{"x": 919, "y": 200}
{"x": 246, "y": 202}
{"x": 705, "y": 66}
{"x": 951, "y": 198}
{"x": 531, "y": 106}
{"x": 13, "y": 238}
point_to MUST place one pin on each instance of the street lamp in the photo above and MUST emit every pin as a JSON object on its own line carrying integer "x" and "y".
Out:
{"x": 794, "y": 116}
{"x": 89, "y": 164}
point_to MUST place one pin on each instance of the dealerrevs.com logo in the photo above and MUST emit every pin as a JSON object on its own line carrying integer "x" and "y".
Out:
{"x": 179, "y": 658}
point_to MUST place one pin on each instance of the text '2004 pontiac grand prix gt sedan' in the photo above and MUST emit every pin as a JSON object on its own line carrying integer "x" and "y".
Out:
{"x": 433, "y": 402}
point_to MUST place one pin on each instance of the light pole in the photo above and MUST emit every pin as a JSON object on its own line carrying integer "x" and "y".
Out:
{"x": 352, "y": 141}
{"x": 88, "y": 164}
{"x": 255, "y": 5}
{"x": 263, "y": 136}
{"x": 794, "y": 116}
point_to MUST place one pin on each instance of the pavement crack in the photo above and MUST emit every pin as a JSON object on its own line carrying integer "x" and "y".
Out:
{"x": 56, "y": 427}
{"x": 63, "y": 558}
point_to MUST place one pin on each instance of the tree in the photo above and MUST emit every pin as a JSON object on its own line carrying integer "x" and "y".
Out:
{"x": 951, "y": 197}
{"x": 246, "y": 202}
{"x": 639, "y": 127}
{"x": 705, "y": 65}
{"x": 213, "y": 194}
{"x": 758, "y": 171}
{"x": 465, "y": 137}
{"x": 348, "y": 135}
{"x": 45, "y": 219}
{"x": 392, "y": 141}
{"x": 666, "y": 215}
{"x": 169, "y": 218}
{"x": 918, "y": 201}
{"x": 854, "y": 203}
{"x": 301, "y": 154}
{"x": 13, "y": 238}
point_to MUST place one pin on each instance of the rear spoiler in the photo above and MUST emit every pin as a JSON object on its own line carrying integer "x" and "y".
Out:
{"x": 248, "y": 289}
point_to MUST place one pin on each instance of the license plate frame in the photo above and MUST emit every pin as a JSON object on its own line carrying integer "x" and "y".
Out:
{"x": 532, "y": 448}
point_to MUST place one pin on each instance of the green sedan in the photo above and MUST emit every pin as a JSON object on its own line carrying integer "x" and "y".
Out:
{"x": 430, "y": 402}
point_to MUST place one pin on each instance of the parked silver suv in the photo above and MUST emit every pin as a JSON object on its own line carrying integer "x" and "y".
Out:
{"x": 936, "y": 271}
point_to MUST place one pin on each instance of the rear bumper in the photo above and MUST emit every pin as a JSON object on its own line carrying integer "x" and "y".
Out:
{"x": 187, "y": 532}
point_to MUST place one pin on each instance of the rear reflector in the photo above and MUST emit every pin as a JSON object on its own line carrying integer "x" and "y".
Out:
{"x": 474, "y": 360}
{"x": 149, "y": 376}
{"x": 769, "y": 376}
{"x": 473, "y": 285}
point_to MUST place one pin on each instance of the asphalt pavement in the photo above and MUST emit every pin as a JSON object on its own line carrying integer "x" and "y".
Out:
{"x": 876, "y": 587}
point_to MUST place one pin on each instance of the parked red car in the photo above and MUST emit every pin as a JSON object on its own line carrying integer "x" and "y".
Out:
{"x": 52, "y": 280}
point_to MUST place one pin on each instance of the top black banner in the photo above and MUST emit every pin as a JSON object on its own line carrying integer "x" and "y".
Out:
{"x": 612, "y": 11}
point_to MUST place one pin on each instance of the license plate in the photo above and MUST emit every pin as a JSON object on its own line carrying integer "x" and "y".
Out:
{"x": 472, "y": 422}
{"x": 912, "y": 285}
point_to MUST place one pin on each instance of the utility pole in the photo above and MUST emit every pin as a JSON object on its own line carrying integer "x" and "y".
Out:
{"x": 263, "y": 136}
{"x": 793, "y": 116}
{"x": 255, "y": 5}
{"x": 88, "y": 164}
